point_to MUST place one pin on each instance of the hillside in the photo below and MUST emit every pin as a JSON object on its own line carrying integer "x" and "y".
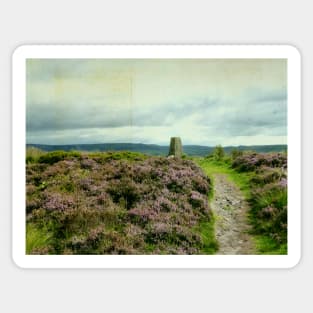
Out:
{"x": 191, "y": 150}
{"x": 116, "y": 203}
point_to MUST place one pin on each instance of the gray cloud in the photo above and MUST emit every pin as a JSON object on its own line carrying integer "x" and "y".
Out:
{"x": 70, "y": 116}
{"x": 228, "y": 118}
{"x": 92, "y": 101}
{"x": 51, "y": 118}
{"x": 269, "y": 96}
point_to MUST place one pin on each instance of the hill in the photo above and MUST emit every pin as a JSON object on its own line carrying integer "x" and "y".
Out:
{"x": 151, "y": 149}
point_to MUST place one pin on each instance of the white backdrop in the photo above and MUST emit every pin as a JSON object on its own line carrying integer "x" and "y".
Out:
{"x": 26, "y": 22}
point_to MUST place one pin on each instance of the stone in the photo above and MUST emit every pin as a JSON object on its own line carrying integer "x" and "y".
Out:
{"x": 176, "y": 148}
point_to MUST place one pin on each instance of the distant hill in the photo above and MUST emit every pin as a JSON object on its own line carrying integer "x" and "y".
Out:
{"x": 192, "y": 150}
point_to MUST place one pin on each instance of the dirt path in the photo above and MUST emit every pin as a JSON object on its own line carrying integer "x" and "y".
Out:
{"x": 231, "y": 224}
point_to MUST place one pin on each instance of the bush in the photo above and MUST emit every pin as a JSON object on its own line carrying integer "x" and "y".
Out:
{"x": 251, "y": 161}
{"x": 125, "y": 192}
{"x": 266, "y": 175}
{"x": 269, "y": 212}
{"x": 235, "y": 153}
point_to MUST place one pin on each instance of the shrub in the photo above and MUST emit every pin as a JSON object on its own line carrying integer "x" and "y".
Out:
{"x": 250, "y": 161}
{"x": 197, "y": 200}
{"x": 235, "y": 153}
{"x": 266, "y": 175}
{"x": 117, "y": 203}
{"x": 269, "y": 211}
{"x": 32, "y": 204}
{"x": 124, "y": 191}
{"x": 87, "y": 244}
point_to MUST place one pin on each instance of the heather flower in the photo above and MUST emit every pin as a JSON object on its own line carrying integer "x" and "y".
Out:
{"x": 141, "y": 214}
{"x": 59, "y": 202}
{"x": 251, "y": 161}
{"x": 95, "y": 234}
{"x": 89, "y": 164}
{"x": 107, "y": 204}
{"x": 102, "y": 198}
{"x": 201, "y": 184}
{"x": 283, "y": 182}
{"x": 196, "y": 199}
{"x": 162, "y": 204}
{"x": 268, "y": 212}
{"x": 86, "y": 183}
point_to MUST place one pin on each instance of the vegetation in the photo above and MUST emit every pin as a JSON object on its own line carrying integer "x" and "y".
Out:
{"x": 218, "y": 153}
{"x": 150, "y": 149}
{"x": 33, "y": 154}
{"x": 126, "y": 202}
{"x": 263, "y": 179}
{"x": 116, "y": 203}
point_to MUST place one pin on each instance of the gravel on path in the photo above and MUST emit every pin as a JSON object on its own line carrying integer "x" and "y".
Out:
{"x": 231, "y": 226}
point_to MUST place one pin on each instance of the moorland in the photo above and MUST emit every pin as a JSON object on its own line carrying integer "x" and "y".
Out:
{"x": 128, "y": 202}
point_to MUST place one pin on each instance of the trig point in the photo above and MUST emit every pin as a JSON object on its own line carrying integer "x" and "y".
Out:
{"x": 176, "y": 148}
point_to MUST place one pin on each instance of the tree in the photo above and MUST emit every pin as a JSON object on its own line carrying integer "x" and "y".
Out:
{"x": 218, "y": 153}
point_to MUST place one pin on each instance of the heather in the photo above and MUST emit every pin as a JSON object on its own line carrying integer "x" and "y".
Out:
{"x": 116, "y": 203}
{"x": 250, "y": 161}
{"x": 268, "y": 198}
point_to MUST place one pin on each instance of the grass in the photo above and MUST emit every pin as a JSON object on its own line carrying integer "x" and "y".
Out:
{"x": 33, "y": 154}
{"x": 207, "y": 233}
{"x": 212, "y": 167}
{"x": 37, "y": 238}
{"x": 266, "y": 245}
{"x": 118, "y": 155}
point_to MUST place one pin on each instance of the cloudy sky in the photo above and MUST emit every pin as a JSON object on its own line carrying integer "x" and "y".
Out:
{"x": 203, "y": 101}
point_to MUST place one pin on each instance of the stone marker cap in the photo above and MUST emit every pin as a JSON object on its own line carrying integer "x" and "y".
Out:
{"x": 176, "y": 148}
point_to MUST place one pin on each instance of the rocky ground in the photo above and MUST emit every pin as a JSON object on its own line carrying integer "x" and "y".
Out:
{"x": 230, "y": 209}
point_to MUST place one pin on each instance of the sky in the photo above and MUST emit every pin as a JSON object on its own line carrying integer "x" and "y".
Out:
{"x": 203, "y": 101}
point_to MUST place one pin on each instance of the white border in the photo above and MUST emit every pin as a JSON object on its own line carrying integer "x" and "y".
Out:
{"x": 156, "y": 51}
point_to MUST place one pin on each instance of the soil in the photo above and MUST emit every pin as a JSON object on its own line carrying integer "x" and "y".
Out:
{"x": 231, "y": 226}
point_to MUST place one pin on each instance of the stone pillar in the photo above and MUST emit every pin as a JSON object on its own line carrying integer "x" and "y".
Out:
{"x": 176, "y": 148}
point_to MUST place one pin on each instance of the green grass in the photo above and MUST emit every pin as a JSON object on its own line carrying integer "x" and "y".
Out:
{"x": 211, "y": 167}
{"x": 36, "y": 238}
{"x": 207, "y": 233}
{"x": 266, "y": 245}
{"x": 118, "y": 155}
{"x": 33, "y": 154}
{"x": 56, "y": 156}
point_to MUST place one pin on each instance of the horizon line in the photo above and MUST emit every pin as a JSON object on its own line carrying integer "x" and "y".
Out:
{"x": 152, "y": 144}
